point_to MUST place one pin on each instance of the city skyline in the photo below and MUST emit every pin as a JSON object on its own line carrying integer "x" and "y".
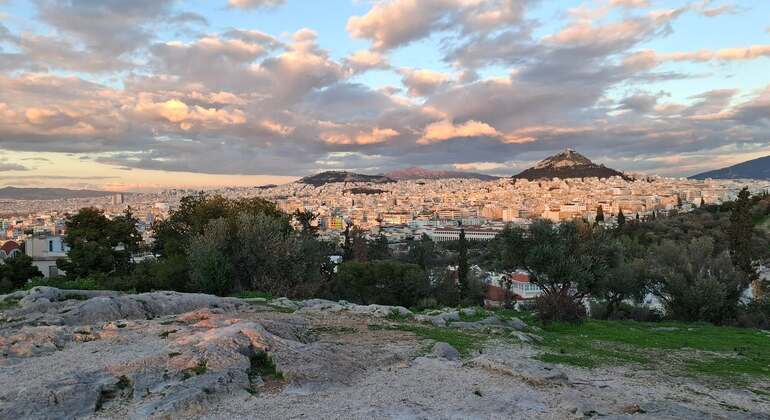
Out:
{"x": 155, "y": 94}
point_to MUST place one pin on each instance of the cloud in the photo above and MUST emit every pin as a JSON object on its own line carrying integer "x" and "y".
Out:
{"x": 423, "y": 82}
{"x": 375, "y": 136}
{"x": 254, "y": 4}
{"x": 6, "y": 166}
{"x": 363, "y": 60}
{"x": 445, "y": 130}
{"x": 647, "y": 59}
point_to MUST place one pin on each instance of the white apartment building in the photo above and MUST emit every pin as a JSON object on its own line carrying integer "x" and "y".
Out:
{"x": 45, "y": 249}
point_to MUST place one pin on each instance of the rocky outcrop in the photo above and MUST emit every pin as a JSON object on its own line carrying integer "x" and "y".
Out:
{"x": 51, "y": 306}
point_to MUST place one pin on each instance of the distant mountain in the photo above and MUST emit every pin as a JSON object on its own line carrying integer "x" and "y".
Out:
{"x": 330, "y": 177}
{"x": 752, "y": 169}
{"x": 422, "y": 173}
{"x": 14, "y": 193}
{"x": 568, "y": 164}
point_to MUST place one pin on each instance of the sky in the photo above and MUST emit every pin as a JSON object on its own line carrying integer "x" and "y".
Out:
{"x": 148, "y": 94}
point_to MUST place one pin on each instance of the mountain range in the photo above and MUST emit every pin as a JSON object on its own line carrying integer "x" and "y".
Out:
{"x": 568, "y": 164}
{"x": 14, "y": 193}
{"x": 414, "y": 173}
{"x": 752, "y": 169}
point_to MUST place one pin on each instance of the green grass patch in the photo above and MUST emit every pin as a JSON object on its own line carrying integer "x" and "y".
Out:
{"x": 253, "y": 294}
{"x": 8, "y": 303}
{"x": 281, "y": 309}
{"x": 508, "y": 314}
{"x": 262, "y": 365}
{"x": 477, "y": 315}
{"x": 693, "y": 349}
{"x": 395, "y": 315}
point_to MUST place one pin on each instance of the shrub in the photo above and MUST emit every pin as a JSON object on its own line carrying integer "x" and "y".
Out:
{"x": 562, "y": 307}
{"x": 381, "y": 282}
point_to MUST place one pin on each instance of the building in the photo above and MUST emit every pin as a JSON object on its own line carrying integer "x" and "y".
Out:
{"x": 453, "y": 234}
{"x": 45, "y": 248}
{"x": 520, "y": 288}
{"x": 9, "y": 249}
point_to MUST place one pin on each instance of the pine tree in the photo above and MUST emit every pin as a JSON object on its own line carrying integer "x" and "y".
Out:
{"x": 600, "y": 214}
{"x": 702, "y": 202}
{"x": 621, "y": 218}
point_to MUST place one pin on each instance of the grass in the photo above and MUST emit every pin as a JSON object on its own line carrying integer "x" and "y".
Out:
{"x": 199, "y": 369}
{"x": 276, "y": 308}
{"x": 395, "y": 315}
{"x": 253, "y": 294}
{"x": 261, "y": 365}
{"x": 691, "y": 349}
{"x": 8, "y": 303}
{"x": 477, "y": 315}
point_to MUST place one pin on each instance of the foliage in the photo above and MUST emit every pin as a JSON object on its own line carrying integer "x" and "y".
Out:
{"x": 377, "y": 249}
{"x": 254, "y": 252}
{"x": 567, "y": 264}
{"x": 740, "y": 233}
{"x": 462, "y": 264}
{"x": 98, "y": 244}
{"x": 694, "y": 283}
{"x": 381, "y": 282}
{"x": 16, "y": 271}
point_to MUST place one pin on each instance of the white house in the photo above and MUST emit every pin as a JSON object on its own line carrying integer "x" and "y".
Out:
{"x": 45, "y": 248}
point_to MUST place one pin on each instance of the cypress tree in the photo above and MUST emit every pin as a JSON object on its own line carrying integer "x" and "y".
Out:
{"x": 740, "y": 233}
{"x": 621, "y": 218}
{"x": 600, "y": 214}
{"x": 462, "y": 264}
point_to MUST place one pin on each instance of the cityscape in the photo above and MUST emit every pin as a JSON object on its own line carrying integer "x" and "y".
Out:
{"x": 385, "y": 209}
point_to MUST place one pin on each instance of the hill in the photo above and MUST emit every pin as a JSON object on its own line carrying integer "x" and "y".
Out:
{"x": 568, "y": 164}
{"x": 14, "y": 193}
{"x": 414, "y": 173}
{"x": 752, "y": 169}
{"x": 330, "y": 177}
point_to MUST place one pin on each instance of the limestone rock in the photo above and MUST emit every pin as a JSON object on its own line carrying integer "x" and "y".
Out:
{"x": 445, "y": 351}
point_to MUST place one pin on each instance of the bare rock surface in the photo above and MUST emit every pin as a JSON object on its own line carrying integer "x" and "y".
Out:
{"x": 168, "y": 355}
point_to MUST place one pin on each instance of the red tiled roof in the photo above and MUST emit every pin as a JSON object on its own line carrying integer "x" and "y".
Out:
{"x": 9, "y": 246}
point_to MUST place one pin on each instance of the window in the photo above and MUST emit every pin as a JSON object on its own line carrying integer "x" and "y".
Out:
{"x": 50, "y": 246}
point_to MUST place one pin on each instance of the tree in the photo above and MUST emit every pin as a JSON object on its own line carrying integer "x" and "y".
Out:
{"x": 462, "y": 264}
{"x": 702, "y": 202}
{"x": 621, "y": 218}
{"x": 678, "y": 202}
{"x": 565, "y": 265}
{"x": 599, "y": 214}
{"x": 99, "y": 245}
{"x": 305, "y": 219}
{"x": 16, "y": 271}
{"x": 422, "y": 252}
{"x": 359, "y": 245}
{"x": 211, "y": 271}
{"x": 347, "y": 246}
{"x": 740, "y": 233}
{"x": 254, "y": 252}
{"x": 381, "y": 282}
{"x": 695, "y": 283}
{"x": 378, "y": 248}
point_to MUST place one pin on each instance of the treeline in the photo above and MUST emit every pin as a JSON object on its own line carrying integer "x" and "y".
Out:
{"x": 698, "y": 265}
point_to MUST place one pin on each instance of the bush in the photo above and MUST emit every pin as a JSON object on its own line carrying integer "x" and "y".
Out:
{"x": 381, "y": 282}
{"x": 93, "y": 282}
{"x": 562, "y": 307}
{"x": 754, "y": 315}
{"x": 626, "y": 311}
